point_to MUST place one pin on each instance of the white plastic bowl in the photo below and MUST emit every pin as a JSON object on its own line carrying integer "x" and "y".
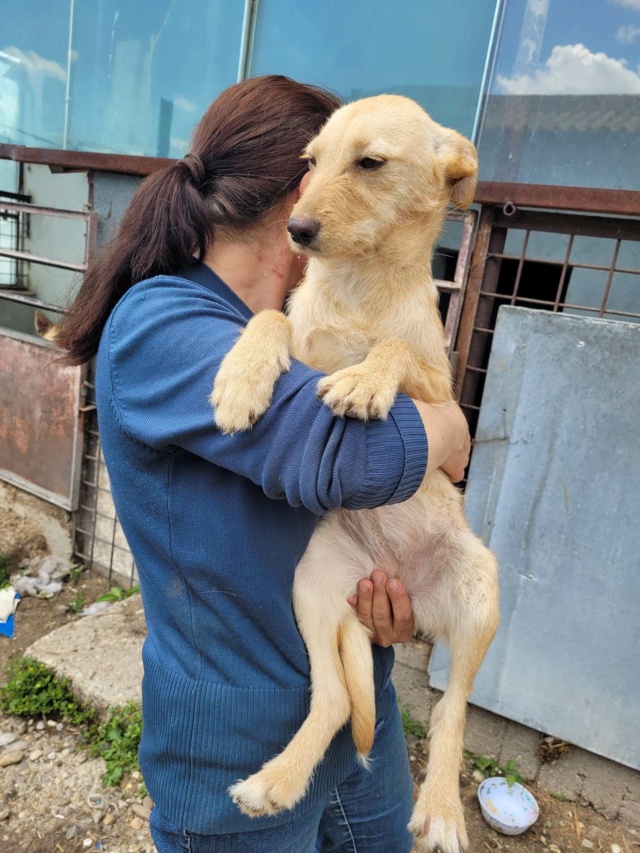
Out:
{"x": 510, "y": 810}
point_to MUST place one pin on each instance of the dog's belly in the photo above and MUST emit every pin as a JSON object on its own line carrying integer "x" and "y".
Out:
{"x": 422, "y": 536}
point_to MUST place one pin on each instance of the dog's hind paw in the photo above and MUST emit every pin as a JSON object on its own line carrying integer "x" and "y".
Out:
{"x": 438, "y": 833}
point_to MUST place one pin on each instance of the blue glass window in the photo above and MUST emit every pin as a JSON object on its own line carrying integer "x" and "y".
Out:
{"x": 141, "y": 73}
{"x": 430, "y": 51}
{"x": 563, "y": 105}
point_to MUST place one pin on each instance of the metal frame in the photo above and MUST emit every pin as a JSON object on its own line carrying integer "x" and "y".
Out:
{"x": 456, "y": 288}
{"x": 22, "y": 209}
{"x": 482, "y": 294}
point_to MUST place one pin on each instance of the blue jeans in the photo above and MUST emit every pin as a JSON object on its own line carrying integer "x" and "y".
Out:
{"x": 367, "y": 813}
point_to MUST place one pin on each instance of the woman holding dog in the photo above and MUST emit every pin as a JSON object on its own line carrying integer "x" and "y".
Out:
{"x": 217, "y": 524}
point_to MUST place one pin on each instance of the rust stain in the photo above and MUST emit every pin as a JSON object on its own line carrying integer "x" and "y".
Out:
{"x": 39, "y": 401}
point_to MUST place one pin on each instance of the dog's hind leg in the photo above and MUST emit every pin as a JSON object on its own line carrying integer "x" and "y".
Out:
{"x": 328, "y": 627}
{"x": 470, "y": 601}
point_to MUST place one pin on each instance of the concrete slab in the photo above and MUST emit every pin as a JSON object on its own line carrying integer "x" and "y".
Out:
{"x": 101, "y": 654}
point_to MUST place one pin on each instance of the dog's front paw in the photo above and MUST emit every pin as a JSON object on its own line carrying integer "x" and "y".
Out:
{"x": 243, "y": 388}
{"x": 438, "y": 828}
{"x": 354, "y": 391}
{"x": 266, "y": 793}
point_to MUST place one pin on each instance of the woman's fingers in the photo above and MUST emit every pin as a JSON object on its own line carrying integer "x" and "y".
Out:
{"x": 383, "y": 606}
{"x": 403, "y": 622}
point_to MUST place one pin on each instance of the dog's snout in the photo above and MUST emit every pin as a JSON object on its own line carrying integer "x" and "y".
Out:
{"x": 303, "y": 230}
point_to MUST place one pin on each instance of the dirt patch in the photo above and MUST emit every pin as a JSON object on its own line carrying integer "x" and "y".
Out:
{"x": 19, "y": 539}
{"x": 36, "y": 617}
{"x": 563, "y": 827}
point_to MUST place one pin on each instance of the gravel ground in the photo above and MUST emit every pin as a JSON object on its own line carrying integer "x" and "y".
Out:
{"x": 52, "y": 800}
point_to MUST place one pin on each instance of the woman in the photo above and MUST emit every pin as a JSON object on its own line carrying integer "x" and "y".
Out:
{"x": 218, "y": 523}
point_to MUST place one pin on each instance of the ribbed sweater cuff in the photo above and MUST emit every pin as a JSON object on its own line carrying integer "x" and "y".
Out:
{"x": 416, "y": 447}
{"x": 396, "y": 458}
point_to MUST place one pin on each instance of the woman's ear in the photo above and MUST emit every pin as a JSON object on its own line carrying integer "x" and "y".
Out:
{"x": 460, "y": 163}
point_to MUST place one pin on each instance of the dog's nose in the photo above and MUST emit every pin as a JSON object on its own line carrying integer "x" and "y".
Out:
{"x": 303, "y": 230}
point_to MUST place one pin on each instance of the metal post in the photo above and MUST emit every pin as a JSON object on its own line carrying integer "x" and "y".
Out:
{"x": 67, "y": 93}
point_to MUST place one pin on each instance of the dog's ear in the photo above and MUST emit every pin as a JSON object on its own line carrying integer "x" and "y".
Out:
{"x": 460, "y": 163}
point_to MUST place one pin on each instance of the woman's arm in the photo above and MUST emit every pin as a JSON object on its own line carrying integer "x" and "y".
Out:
{"x": 161, "y": 350}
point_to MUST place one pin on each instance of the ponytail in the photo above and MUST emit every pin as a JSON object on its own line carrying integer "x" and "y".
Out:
{"x": 166, "y": 224}
{"x": 245, "y": 158}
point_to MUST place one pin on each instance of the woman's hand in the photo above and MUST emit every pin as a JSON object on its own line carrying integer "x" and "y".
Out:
{"x": 383, "y": 606}
{"x": 448, "y": 436}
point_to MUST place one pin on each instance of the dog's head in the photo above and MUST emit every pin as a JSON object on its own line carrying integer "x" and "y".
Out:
{"x": 380, "y": 169}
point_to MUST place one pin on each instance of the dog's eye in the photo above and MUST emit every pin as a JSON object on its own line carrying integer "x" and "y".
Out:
{"x": 311, "y": 161}
{"x": 369, "y": 163}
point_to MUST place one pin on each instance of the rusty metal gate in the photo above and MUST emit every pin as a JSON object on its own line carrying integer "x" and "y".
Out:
{"x": 545, "y": 260}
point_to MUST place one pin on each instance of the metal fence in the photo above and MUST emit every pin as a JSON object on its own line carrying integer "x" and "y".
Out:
{"x": 591, "y": 267}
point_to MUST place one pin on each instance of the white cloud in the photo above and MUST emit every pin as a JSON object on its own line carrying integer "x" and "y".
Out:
{"x": 628, "y": 4}
{"x": 628, "y": 33}
{"x": 37, "y": 64}
{"x": 183, "y": 104}
{"x": 572, "y": 69}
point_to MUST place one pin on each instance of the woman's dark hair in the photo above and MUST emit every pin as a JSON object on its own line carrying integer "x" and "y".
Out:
{"x": 244, "y": 159}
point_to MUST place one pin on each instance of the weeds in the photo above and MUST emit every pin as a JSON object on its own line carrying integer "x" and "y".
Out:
{"x": 33, "y": 690}
{"x": 489, "y": 767}
{"x": 411, "y": 726}
{"x": 116, "y": 593}
{"x": 117, "y": 742}
{"x": 4, "y": 571}
{"x": 76, "y": 605}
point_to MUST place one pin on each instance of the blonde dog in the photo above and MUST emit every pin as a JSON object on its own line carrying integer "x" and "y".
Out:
{"x": 382, "y": 175}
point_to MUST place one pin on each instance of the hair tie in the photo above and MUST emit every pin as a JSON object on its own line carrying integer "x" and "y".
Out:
{"x": 194, "y": 165}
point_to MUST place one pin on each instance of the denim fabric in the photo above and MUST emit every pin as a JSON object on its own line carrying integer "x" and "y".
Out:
{"x": 367, "y": 813}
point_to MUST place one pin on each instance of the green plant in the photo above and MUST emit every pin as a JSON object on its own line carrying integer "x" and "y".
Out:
{"x": 75, "y": 571}
{"x": 117, "y": 741}
{"x": 116, "y": 593}
{"x": 4, "y": 570}
{"x": 488, "y": 766}
{"x": 76, "y": 605}
{"x": 34, "y": 690}
{"x": 411, "y": 726}
{"x": 558, "y": 796}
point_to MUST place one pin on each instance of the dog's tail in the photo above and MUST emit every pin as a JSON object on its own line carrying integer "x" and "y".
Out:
{"x": 357, "y": 662}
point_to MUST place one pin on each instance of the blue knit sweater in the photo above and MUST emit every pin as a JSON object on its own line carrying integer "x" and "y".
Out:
{"x": 217, "y": 525}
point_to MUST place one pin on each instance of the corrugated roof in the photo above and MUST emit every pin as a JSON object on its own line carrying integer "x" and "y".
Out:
{"x": 563, "y": 112}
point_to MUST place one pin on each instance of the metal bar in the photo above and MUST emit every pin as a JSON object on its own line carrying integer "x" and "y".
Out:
{"x": 516, "y": 285}
{"x": 12, "y": 296}
{"x": 479, "y": 347}
{"x": 579, "y": 199}
{"x": 246, "y": 39}
{"x": 610, "y": 277}
{"x": 60, "y": 160}
{"x": 47, "y": 262}
{"x": 67, "y": 89}
{"x": 20, "y": 207}
{"x": 557, "y": 223}
{"x": 489, "y": 66}
{"x": 470, "y": 305}
{"x": 460, "y": 278}
{"x": 563, "y": 274}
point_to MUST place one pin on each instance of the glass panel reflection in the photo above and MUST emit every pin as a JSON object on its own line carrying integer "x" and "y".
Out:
{"x": 142, "y": 73}
{"x": 430, "y": 51}
{"x": 564, "y": 101}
